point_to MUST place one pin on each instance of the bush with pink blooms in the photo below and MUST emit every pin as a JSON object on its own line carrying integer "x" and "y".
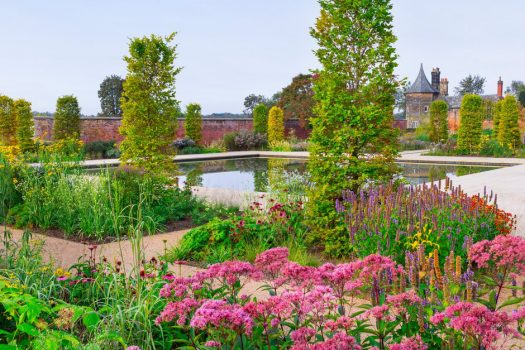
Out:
{"x": 369, "y": 303}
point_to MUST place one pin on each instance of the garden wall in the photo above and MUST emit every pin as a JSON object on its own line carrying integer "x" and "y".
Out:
{"x": 106, "y": 129}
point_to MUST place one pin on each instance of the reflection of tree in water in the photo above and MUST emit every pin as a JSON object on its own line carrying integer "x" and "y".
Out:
{"x": 276, "y": 168}
{"x": 194, "y": 175}
{"x": 467, "y": 170}
{"x": 260, "y": 174}
{"x": 251, "y": 164}
{"x": 437, "y": 172}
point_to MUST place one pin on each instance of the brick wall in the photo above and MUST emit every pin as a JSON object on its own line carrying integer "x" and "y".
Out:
{"x": 106, "y": 129}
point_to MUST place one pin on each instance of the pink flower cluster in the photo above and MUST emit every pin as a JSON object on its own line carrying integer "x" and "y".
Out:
{"x": 339, "y": 341}
{"x": 219, "y": 313}
{"x": 504, "y": 250}
{"x": 413, "y": 343}
{"x": 479, "y": 322}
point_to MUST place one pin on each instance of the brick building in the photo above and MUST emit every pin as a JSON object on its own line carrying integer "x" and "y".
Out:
{"x": 421, "y": 93}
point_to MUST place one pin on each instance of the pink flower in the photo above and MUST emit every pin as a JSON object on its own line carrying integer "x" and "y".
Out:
{"x": 228, "y": 271}
{"x": 178, "y": 310}
{"x": 381, "y": 312}
{"x": 414, "y": 343}
{"x": 213, "y": 344}
{"x": 502, "y": 251}
{"x": 133, "y": 347}
{"x": 272, "y": 261}
{"x": 400, "y": 301}
{"x": 340, "y": 341}
{"x": 220, "y": 314}
{"x": 478, "y": 322}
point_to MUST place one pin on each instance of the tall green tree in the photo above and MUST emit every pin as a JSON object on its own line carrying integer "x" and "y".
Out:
{"x": 275, "y": 125}
{"x": 25, "y": 125}
{"x": 438, "y": 121}
{"x": 471, "y": 84}
{"x": 260, "y": 118}
{"x": 193, "y": 122}
{"x": 508, "y": 130}
{"x": 496, "y": 116}
{"x": 149, "y": 107}
{"x": 67, "y": 118}
{"x": 109, "y": 93}
{"x": 353, "y": 140}
{"x": 296, "y": 99}
{"x": 7, "y": 121}
{"x": 470, "y": 124}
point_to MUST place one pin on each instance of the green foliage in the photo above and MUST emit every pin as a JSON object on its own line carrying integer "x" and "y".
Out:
{"x": 25, "y": 125}
{"x": 471, "y": 84}
{"x": 101, "y": 150}
{"x": 8, "y": 193}
{"x": 193, "y": 122}
{"x": 438, "y": 121}
{"x": 244, "y": 140}
{"x": 67, "y": 118}
{"x": 352, "y": 141}
{"x": 260, "y": 119}
{"x": 496, "y": 117}
{"x": 275, "y": 125}
{"x": 148, "y": 103}
{"x": 7, "y": 121}
{"x": 492, "y": 148}
{"x": 109, "y": 94}
{"x": 297, "y": 99}
{"x": 471, "y": 124}
{"x": 508, "y": 129}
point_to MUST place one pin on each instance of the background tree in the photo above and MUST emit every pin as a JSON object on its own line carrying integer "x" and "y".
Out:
{"x": 472, "y": 84}
{"x": 251, "y": 101}
{"x": 400, "y": 104}
{"x": 438, "y": 121}
{"x": 193, "y": 122}
{"x": 260, "y": 119}
{"x": 67, "y": 118}
{"x": 110, "y": 93}
{"x": 353, "y": 140}
{"x": 7, "y": 122}
{"x": 25, "y": 125}
{"x": 296, "y": 99}
{"x": 275, "y": 125}
{"x": 508, "y": 130}
{"x": 471, "y": 123}
{"x": 149, "y": 107}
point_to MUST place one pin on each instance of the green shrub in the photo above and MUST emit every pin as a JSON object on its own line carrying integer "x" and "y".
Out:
{"x": 229, "y": 141}
{"x": 260, "y": 119}
{"x": 67, "y": 118}
{"x": 275, "y": 125}
{"x": 25, "y": 125}
{"x": 244, "y": 140}
{"x": 471, "y": 122}
{"x": 508, "y": 130}
{"x": 193, "y": 122}
{"x": 438, "y": 121}
{"x": 101, "y": 150}
{"x": 7, "y": 122}
{"x": 492, "y": 148}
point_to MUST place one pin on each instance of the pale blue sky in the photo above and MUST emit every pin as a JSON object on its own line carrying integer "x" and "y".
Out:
{"x": 231, "y": 48}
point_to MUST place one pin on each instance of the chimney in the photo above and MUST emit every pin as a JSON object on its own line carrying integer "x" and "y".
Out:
{"x": 443, "y": 87}
{"x": 500, "y": 88}
{"x": 435, "y": 78}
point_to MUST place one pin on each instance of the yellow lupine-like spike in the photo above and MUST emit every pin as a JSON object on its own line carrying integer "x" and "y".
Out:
{"x": 458, "y": 268}
{"x": 439, "y": 275}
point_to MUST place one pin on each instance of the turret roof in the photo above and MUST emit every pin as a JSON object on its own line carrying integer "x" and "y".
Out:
{"x": 421, "y": 84}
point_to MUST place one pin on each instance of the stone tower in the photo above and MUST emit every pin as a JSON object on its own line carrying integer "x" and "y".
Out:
{"x": 419, "y": 97}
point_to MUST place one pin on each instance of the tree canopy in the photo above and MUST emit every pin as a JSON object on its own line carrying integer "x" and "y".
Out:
{"x": 67, "y": 118}
{"x": 471, "y": 84}
{"x": 296, "y": 99}
{"x": 110, "y": 93}
{"x": 193, "y": 122}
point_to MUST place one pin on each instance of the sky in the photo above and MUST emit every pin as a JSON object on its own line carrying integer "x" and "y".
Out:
{"x": 231, "y": 48}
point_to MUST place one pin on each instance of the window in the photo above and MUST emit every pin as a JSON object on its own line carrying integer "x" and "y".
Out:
{"x": 425, "y": 109}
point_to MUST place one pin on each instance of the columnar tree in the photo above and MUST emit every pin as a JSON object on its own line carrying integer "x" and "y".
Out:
{"x": 148, "y": 102}
{"x": 110, "y": 93}
{"x": 7, "y": 121}
{"x": 471, "y": 123}
{"x": 508, "y": 131}
{"x": 496, "y": 116}
{"x": 193, "y": 122}
{"x": 260, "y": 119}
{"x": 438, "y": 121}
{"x": 353, "y": 139}
{"x": 67, "y": 118}
{"x": 275, "y": 125}
{"x": 25, "y": 125}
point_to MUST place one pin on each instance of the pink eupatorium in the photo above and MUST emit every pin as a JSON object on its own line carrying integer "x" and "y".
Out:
{"x": 478, "y": 322}
{"x": 502, "y": 251}
{"x": 414, "y": 343}
{"x": 178, "y": 310}
{"x": 220, "y": 314}
{"x": 339, "y": 341}
{"x": 228, "y": 271}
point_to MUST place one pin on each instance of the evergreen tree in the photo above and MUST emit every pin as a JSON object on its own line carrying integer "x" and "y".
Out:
{"x": 438, "y": 121}
{"x": 7, "y": 122}
{"x": 496, "y": 116}
{"x": 275, "y": 125}
{"x": 508, "y": 131}
{"x": 353, "y": 140}
{"x": 67, "y": 118}
{"x": 193, "y": 122}
{"x": 260, "y": 119}
{"x": 148, "y": 103}
{"x": 471, "y": 123}
{"x": 110, "y": 93}
{"x": 25, "y": 125}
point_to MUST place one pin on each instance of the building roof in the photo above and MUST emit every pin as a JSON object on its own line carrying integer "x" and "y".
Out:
{"x": 454, "y": 102}
{"x": 421, "y": 84}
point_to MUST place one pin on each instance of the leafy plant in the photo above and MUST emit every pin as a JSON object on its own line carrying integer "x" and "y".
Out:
{"x": 438, "y": 121}
{"x": 470, "y": 127}
{"x": 260, "y": 119}
{"x": 7, "y": 122}
{"x": 67, "y": 118}
{"x": 275, "y": 125}
{"x": 193, "y": 122}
